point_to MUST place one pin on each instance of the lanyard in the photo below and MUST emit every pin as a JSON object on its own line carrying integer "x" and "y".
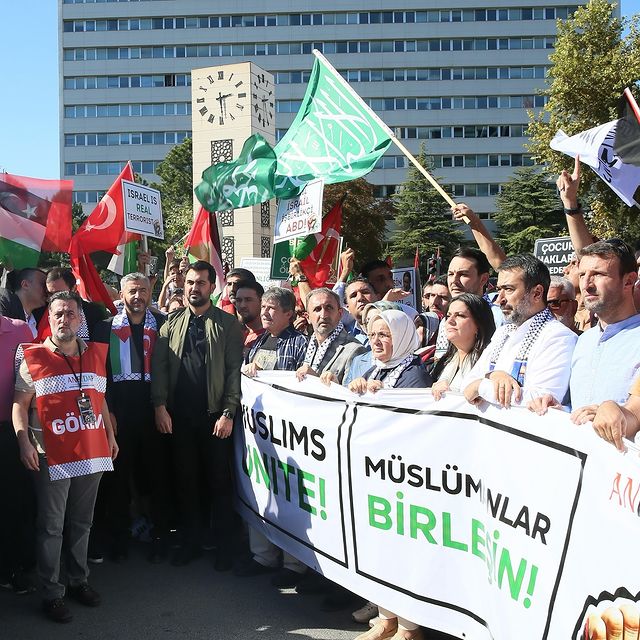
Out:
{"x": 77, "y": 378}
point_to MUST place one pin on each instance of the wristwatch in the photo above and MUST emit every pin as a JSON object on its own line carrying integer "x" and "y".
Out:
{"x": 227, "y": 414}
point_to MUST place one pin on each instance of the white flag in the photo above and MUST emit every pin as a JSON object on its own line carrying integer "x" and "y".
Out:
{"x": 596, "y": 148}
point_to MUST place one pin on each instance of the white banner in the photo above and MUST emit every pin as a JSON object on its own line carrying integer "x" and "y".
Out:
{"x": 301, "y": 216}
{"x": 142, "y": 210}
{"x": 482, "y": 524}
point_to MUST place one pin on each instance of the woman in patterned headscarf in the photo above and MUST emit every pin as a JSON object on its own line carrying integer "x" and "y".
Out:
{"x": 393, "y": 339}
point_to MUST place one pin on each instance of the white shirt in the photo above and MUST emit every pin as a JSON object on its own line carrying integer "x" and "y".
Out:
{"x": 548, "y": 366}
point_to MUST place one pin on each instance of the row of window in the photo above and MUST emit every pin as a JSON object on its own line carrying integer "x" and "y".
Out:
{"x": 295, "y": 48}
{"x": 176, "y": 137}
{"x": 108, "y": 168}
{"x": 471, "y": 160}
{"x": 126, "y": 110}
{"x": 380, "y": 191}
{"x": 302, "y": 77}
{"x": 473, "y": 190}
{"x": 468, "y": 131}
{"x": 436, "y": 103}
{"x": 117, "y": 139}
{"x": 318, "y": 19}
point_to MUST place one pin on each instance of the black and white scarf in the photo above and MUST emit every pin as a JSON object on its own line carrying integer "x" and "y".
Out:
{"x": 391, "y": 379}
{"x": 519, "y": 369}
{"x": 316, "y": 352}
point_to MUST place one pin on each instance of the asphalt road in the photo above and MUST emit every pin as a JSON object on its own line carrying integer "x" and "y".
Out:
{"x": 161, "y": 602}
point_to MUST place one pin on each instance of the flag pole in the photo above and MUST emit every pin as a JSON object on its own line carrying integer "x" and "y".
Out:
{"x": 390, "y": 133}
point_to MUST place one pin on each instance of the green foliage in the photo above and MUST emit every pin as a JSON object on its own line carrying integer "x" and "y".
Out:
{"x": 423, "y": 218}
{"x": 363, "y": 216}
{"x": 528, "y": 208}
{"x": 176, "y": 189}
{"x": 592, "y": 64}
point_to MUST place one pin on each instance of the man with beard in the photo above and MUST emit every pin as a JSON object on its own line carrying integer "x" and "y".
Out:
{"x": 606, "y": 360}
{"x": 248, "y": 301}
{"x": 195, "y": 389}
{"x": 358, "y": 294}
{"x": 67, "y": 442}
{"x": 131, "y": 336}
{"x": 530, "y": 355}
{"x": 331, "y": 348}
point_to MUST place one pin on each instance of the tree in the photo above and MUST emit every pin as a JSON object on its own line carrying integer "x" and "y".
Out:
{"x": 363, "y": 217}
{"x": 423, "y": 218}
{"x": 528, "y": 208}
{"x": 591, "y": 65}
{"x": 176, "y": 188}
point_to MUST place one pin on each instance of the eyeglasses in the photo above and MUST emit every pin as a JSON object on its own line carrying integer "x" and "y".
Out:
{"x": 379, "y": 335}
{"x": 556, "y": 302}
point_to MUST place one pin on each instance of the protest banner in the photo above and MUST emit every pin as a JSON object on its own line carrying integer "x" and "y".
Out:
{"x": 556, "y": 253}
{"x": 142, "y": 210}
{"x": 300, "y": 216}
{"x": 482, "y": 523}
{"x": 407, "y": 279}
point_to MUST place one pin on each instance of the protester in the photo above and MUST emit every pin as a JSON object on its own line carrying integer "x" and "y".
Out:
{"x": 469, "y": 327}
{"x": 131, "y": 336}
{"x": 562, "y": 302}
{"x": 379, "y": 275}
{"x": 91, "y": 313}
{"x": 280, "y": 347}
{"x": 358, "y": 294}
{"x": 269, "y": 352}
{"x": 67, "y": 471}
{"x": 606, "y": 358}
{"x": 176, "y": 301}
{"x": 227, "y": 300}
{"x": 439, "y": 296}
{"x": 468, "y": 272}
{"x": 26, "y": 297}
{"x": 198, "y": 410}
{"x": 331, "y": 348}
{"x": 17, "y": 500}
{"x": 393, "y": 340}
{"x": 530, "y": 356}
{"x": 174, "y": 280}
{"x": 248, "y": 300}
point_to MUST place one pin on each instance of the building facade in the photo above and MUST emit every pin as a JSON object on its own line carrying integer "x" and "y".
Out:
{"x": 454, "y": 75}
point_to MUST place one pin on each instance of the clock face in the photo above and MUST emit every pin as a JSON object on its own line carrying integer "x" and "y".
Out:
{"x": 221, "y": 97}
{"x": 262, "y": 99}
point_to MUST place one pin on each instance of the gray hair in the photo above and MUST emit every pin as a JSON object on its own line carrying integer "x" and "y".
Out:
{"x": 134, "y": 277}
{"x": 565, "y": 285}
{"x": 283, "y": 297}
{"x": 325, "y": 291}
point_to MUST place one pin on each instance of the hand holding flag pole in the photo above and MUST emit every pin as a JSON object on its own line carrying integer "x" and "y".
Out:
{"x": 390, "y": 133}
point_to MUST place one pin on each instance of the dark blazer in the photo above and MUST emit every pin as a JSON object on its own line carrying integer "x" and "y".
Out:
{"x": 339, "y": 355}
{"x": 414, "y": 376}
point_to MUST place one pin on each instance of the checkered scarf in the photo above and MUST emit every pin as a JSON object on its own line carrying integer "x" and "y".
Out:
{"x": 316, "y": 352}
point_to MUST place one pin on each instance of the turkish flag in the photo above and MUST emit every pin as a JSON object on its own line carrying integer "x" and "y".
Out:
{"x": 103, "y": 230}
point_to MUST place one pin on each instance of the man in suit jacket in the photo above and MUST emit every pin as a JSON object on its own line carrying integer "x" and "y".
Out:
{"x": 331, "y": 348}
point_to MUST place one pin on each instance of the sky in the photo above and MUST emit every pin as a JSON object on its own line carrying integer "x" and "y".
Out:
{"x": 29, "y": 116}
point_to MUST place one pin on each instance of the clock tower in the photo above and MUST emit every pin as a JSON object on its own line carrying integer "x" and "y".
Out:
{"x": 229, "y": 103}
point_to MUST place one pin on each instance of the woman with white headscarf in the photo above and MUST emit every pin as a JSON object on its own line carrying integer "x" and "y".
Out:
{"x": 393, "y": 339}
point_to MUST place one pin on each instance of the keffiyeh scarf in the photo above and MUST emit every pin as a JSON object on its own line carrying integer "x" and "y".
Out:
{"x": 519, "y": 368}
{"x": 123, "y": 355}
{"x": 316, "y": 352}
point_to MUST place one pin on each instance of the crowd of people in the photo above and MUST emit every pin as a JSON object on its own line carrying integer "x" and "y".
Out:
{"x": 154, "y": 389}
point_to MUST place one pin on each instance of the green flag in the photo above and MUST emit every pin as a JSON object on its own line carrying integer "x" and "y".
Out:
{"x": 335, "y": 136}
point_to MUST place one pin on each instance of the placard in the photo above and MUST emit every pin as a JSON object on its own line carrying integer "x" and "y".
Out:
{"x": 142, "y": 210}
{"x": 300, "y": 216}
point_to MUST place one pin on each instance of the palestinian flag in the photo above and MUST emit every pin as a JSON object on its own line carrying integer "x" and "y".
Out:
{"x": 126, "y": 261}
{"x": 35, "y": 216}
{"x": 203, "y": 243}
{"x": 317, "y": 252}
